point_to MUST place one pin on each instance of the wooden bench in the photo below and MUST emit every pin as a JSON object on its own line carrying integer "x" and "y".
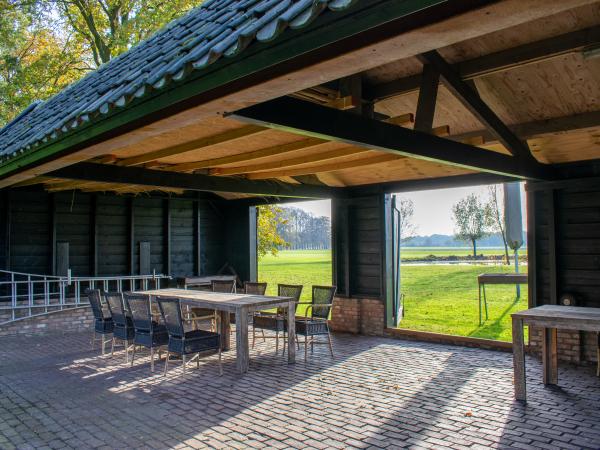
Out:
{"x": 202, "y": 282}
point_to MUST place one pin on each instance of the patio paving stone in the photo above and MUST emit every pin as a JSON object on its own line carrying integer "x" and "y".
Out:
{"x": 56, "y": 392}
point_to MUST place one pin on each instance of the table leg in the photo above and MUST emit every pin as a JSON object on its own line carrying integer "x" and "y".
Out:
{"x": 519, "y": 359}
{"x": 291, "y": 332}
{"x": 241, "y": 340}
{"x": 485, "y": 303}
{"x": 225, "y": 330}
{"x": 549, "y": 356}
{"x": 479, "y": 304}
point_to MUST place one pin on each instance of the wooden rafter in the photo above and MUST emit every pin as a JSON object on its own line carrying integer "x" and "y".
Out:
{"x": 105, "y": 173}
{"x": 427, "y": 99}
{"x": 322, "y": 168}
{"x": 495, "y": 62}
{"x": 249, "y": 156}
{"x": 325, "y": 123}
{"x": 196, "y": 144}
{"x": 291, "y": 162}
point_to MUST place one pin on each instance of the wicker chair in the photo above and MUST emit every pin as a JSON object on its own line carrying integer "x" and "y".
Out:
{"x": 266, "y": 320}
{"x": 148, "y": 332}
{"x": 123, "y": 329}
{"x": 184, "y": 342}
{"x": 103, "y": 324}
{"x": 315, "y": 322}
{"x": 197, "y": 315}
{"x": 253, "y": 288}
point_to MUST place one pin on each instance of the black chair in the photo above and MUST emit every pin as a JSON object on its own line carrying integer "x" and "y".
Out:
{"x": 266, "y": 320}
{"x": 123, "y": 329}
{"x": 148, "y": 332}
{"x": 183, "y": 342}
{"x": 315, "y": 322}
{"x": 103, "y": 324}
{"x": 253, "y": 288}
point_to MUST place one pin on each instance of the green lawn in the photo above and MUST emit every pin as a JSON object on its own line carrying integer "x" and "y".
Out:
{"x": 409, "y": 253}
{"x": 438, "y": 298}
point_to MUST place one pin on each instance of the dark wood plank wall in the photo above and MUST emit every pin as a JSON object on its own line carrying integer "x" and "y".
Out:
{"x": 568, "y": 244}
{"x": 358, "y": 250}
{"x": 239, "y": 241}
{"x": 113, "y": 227}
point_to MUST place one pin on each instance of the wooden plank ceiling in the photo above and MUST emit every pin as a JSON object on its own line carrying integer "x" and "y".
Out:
{"x": 551, "y": 103}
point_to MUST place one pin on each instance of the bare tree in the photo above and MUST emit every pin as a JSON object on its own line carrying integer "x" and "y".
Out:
{"x": 470, "y": 218}
{"x": 495, "y": 216}
{"x": 408, "y": 229}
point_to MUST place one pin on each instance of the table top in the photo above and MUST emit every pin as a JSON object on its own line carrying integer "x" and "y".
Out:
{"x": 502, "y": 278}
{"x": 569, "y": 317}
{"x": 220, "y": 301}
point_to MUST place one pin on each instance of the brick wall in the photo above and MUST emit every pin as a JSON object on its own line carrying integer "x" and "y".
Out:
{"x": 59, "y": 322}
{"x": 576, "y": 347}
{"x": 358, "y": 315}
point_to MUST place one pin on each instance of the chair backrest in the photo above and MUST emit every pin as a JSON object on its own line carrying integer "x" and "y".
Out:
{"x": 95, "y": 297}
{"x": 138, "y": 306}
{"x": 115, "y": 306}
{"x": 223, "y": 286}
{"x": 170, "y": 309}
{"x": 322, "y": 295}
{"x": 290, "y": 290}
{"x": 255, "y": 288}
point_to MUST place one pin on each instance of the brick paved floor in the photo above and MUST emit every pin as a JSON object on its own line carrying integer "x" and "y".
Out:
{"x": 381, "y": 393}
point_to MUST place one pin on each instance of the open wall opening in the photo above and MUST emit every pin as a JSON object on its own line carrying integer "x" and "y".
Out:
{"x": 455, "y": 245}
{"x": 294, "y": 245}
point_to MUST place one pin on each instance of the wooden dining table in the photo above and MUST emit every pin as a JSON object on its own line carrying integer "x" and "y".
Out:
{"x": 240, "y": 304}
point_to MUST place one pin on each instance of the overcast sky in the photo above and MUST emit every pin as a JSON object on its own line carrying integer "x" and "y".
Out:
{"x": 433, "y": 209}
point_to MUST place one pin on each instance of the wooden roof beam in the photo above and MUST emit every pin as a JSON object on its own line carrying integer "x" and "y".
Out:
{"x": 430, "y": 80}
{"x": 197, "y": 144}
{"x": 471, "y": 100}
{"x": 291, "y": 162}
{"x": 138, "y": 176}
{"x": 323, "y": 168}
{"x": 321, "y": 122}
{"x": 495, "y": 62}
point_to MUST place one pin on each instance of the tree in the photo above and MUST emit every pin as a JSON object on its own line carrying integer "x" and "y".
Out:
{"x": 471, "y": 220}
{"x": 269, "y": 239}
{"x": 408, "y": 229}
{"x": 495, "y": 216}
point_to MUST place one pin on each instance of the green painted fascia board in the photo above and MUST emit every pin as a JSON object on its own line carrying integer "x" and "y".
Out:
{"x": 360, "y": 17}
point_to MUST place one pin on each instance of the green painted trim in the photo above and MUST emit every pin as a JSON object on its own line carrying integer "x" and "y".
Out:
{"x": 358, "y": 18}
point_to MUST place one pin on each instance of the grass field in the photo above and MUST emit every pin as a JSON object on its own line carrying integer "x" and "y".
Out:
{"x": 438, "y": 298}
{"x": 409, "y": 253}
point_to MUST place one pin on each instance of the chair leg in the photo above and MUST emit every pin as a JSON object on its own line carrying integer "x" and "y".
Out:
{"x": 253, "y": 334}
{"x": 276, "y": 342}
{"x": 112, "y": 347}
{"x": 151, "y": 359}
{"x": 183, "y": 359}
{"x": 220, "y": 363}
{"x": 166, "y": 363}
{"x": 263, "y": 336}
{"x": 312, "y": 345}
{"x": 103, "y": 346}
{"x": 126, "y": 351}
{"x": 305, "y": 347}
{"x": 198, "y": 361}
{"x": 330, "y": 343}
{"x": 133, "y": 355}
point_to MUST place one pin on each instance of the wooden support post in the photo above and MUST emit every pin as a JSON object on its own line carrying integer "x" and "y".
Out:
{"x": 531, "y": 250}
{"x": 519, "y": 359}
{"x": 552, "y": 260}
{"x": 167, "y": 237}
{"x": 52, "y": 233}
{"x": 197, "y": 240}
{"x": 253, "y": 242}
{"x": 427, "y": 99}
{"x": 131, "y": 234}
{"x": 549, "y": 356}
{"x": 94, "y": 235}
{"x": 7, "y": 225}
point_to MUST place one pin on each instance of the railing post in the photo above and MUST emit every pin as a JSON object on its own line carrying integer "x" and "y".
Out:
{"x": 13, "y": 293}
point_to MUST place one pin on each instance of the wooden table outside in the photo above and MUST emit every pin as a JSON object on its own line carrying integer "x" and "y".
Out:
{"x": 549, "y": 318}
{"x": 497, "y": 278}
{"x": 241, "y": 305}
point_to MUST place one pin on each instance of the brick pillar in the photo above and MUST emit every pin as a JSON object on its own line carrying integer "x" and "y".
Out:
{"x": 358, "y": 315}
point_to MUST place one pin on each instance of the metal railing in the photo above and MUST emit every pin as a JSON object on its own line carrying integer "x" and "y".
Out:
{"x": 25, "y": 295}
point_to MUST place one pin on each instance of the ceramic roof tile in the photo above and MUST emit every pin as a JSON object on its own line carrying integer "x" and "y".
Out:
{"x": 218, "y": 28}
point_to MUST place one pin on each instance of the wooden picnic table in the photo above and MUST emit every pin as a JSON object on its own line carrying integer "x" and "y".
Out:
{"x": 496, "y": 278}
{"x": 549, "y": 318}
{"x": 242, "y": 305}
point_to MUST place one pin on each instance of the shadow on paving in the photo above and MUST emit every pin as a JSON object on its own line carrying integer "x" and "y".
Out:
{"x": 377, "y": 392}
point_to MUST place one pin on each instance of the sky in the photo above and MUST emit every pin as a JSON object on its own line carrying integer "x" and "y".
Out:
{"x": 433, "y": 209}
